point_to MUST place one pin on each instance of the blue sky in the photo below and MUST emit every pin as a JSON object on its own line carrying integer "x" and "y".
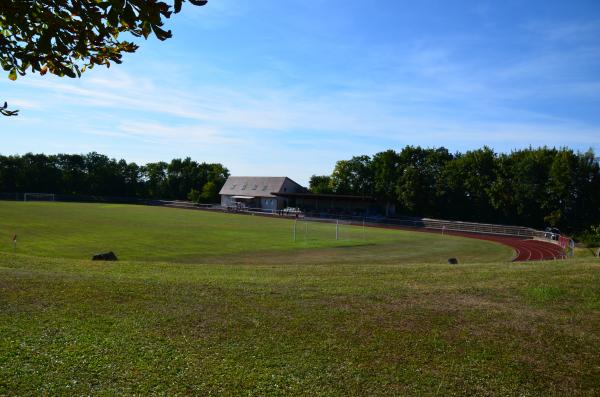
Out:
{"x": 271, "y": 87}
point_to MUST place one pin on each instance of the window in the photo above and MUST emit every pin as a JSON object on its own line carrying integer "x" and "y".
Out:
{"x": 265, "y": 188}
{"x": 244, "y": 187}
{"x": 255, "y": 187}
{"x": 233, "y": 187}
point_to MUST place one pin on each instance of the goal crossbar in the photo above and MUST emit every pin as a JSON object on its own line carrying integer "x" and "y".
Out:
{"x": 39, "y": 197}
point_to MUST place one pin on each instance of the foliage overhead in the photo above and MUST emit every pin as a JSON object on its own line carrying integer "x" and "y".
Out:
{"x": 64, "y": 37}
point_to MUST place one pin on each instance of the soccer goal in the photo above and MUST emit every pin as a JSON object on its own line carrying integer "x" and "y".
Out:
{"x": 304, "y": 230}
{"x": 38, "y": 197}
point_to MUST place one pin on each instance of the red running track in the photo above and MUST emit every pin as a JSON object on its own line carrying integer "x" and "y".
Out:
{"x": 525, "y": 249}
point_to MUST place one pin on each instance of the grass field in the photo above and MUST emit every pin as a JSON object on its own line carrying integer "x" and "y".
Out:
{"x": 141, "y": 233}
{"x": 353, "y": 324}
{"x": 80, "y": 328}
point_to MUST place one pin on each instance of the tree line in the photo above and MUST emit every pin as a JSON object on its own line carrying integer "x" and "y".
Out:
{"x": 98, "y": 175}
{"x": 530, "y": 187}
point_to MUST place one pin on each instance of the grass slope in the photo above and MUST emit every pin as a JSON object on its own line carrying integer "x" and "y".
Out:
{"x": 141, "y": 233}
{"x": 72, "y": 327}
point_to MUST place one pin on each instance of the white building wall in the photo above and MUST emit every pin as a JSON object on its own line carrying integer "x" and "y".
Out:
{"x": 268, "y": 203}
{"x": 227, "y": 200}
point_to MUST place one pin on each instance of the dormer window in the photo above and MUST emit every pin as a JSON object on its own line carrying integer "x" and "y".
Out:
{"x": 233, "y": 187}
{"x": 255, "y": 187}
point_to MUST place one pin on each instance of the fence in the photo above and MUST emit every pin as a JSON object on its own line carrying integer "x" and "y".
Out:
{"x": 453, "y": 226}
{"x": 77, "y": 198}
{"x": 437, "y": 224}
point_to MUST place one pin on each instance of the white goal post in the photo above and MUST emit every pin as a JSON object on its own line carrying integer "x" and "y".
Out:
{"x": 38, "y": 197}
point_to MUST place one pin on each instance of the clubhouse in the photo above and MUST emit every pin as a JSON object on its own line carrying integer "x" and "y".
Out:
{"x": 269, "y": 193}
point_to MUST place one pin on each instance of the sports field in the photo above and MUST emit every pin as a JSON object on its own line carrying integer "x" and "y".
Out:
{"x": 142, "y": 233}
{"x": 369, "y": 321}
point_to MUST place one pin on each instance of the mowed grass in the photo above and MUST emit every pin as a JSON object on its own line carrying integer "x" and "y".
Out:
{"x": 142, "y": 233}
{"x": 209, "y": 304}
{"x": 73, "y": 327}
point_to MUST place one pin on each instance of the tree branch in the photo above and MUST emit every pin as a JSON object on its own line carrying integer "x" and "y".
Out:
{"x": 5, "y": 112}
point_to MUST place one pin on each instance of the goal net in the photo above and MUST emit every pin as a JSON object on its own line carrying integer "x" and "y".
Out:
{"x": 38, "y": 197}
{"x": 311, "y": 231}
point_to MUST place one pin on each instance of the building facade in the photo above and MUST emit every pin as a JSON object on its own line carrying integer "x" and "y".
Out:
{"x": 258, "y": 192}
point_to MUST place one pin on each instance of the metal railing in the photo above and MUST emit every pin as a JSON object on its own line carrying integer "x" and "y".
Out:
{"x": 444, "y": 225}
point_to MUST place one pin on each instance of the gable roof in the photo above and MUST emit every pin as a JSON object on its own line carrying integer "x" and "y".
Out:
{"x": 256, "y": 186}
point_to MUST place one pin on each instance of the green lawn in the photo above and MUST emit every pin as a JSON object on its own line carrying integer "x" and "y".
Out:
{"x": 72, "y": 327}
{"x": 254, "y": 313}
{"x": 141, "y": 233}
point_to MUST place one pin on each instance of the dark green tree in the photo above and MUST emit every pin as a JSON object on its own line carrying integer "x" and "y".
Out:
{"x": 385, "y": 166}
{"x": 520, "y": 191}
{"x": 353, "y": 176}
{"x": 73, "y": 172}
{"x": 320, "y": 184}
{"x": 210, "y": 193}
{"x": 418, "y": 172}
{"x": 465, "y": 184}
{"x": 39, "y": 173}
{"x": 155, "y": 178}
{"x": 9, "y": 169}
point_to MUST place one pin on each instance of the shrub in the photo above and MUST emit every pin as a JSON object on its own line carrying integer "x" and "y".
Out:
{"x": 591, "y": 237}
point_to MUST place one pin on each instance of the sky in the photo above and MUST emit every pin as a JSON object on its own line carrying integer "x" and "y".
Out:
{"x": 287, "y": 88}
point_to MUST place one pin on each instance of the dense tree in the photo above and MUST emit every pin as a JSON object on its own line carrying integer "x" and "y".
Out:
{"x": 465, "y": 183}
{"x": 531, "y": 187}
{"x": 419, "y": 169}
{"x": 215, "y": 172}
{"x": 385, "y": 167}
{"x": 587, "y": 180}
{"x": 320, "y": 184}
{"x": 98, "y": 175}
{"x": 520, "y": 191}
{"x": 73, "y": 173}
{"x": 210, "y": 193}
{"x": 65, "y": 37}
{"x": 353, "y": 176}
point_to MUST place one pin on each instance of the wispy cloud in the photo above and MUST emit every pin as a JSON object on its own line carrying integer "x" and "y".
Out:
{"x": 223, "y": 115}
{"x": 569, "y": 32}
{"x": 299, "y": 93}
